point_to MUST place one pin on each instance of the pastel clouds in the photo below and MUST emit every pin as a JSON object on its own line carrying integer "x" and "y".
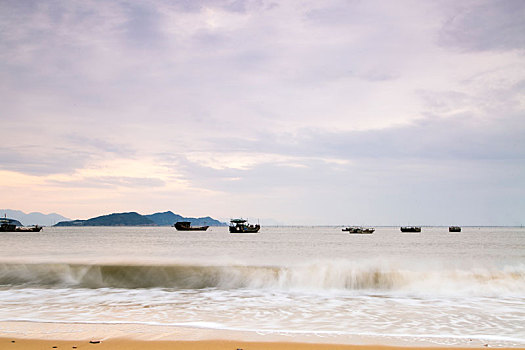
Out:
{"x": 290, "y": 110}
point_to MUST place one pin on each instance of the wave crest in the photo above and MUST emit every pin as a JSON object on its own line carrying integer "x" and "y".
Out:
{"x": 319, "y": 276}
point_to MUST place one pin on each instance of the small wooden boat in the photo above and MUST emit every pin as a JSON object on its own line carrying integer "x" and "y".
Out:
{"x": 186, "y": 226}
{"x": 242, "y": 226}
{"x": 454, "y": 229}
{"x": 410, "y": 229}
{"x": 359, "y": 229}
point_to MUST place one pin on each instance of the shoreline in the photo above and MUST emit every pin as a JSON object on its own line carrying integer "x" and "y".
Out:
{"x": 40, "y": 335}
{"x": 218, "y": 344}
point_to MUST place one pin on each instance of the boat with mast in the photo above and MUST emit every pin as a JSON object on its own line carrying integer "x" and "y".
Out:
{"x": 9, "y": 225}
{"x": 242, "y": 226}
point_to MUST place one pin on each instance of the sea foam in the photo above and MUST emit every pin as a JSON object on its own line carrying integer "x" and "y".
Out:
{"x": 318, "y": 276}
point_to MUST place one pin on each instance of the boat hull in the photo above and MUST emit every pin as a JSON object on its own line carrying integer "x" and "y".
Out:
{"x": 7, "y": 228}
{"x": 196, "y": 228}
{"x": 186, "y": 226}
{"x": 359, "y": 230}
{"x": 454, "y": 229}
{"x": 410, "y": 229}
{"x": 29, "y": 229}
{"x": 245, "y": 229}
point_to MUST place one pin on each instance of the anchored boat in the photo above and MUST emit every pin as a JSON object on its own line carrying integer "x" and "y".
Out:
{"x": 8, "y": 225}
{"x": 186, "y": 226}
{"x": 410, "y": 229}
{"x": 359, "y": 229}
{"x": 242, "y": 226}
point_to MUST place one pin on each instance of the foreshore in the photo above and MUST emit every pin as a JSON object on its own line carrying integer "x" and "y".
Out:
{"x": 129, "y": 344}
{"x": 34, "y": 335}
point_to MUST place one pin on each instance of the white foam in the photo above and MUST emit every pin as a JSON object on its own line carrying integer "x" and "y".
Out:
{"x": 274, "y": 311}
{"x": 431, "y": 337}
{"x": 342, "y": 275}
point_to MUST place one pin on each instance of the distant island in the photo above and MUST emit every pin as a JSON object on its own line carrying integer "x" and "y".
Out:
{"x": 34, "y": 218}
{"x": 167, "y": 218}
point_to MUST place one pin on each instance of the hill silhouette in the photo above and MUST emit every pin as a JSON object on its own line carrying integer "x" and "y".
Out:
{"x": 167, "y": 218}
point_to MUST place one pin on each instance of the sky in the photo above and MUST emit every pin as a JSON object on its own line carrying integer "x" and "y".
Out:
{"x": 290, "y": 112}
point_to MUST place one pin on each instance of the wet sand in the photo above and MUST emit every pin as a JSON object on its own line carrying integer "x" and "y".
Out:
{"x": 129, "y": 344}
{"x": 34, "y": 335}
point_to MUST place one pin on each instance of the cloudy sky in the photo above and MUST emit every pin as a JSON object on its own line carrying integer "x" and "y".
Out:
{"x": 293, "y": 112}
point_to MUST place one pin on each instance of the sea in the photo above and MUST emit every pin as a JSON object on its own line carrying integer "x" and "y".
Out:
{"x": 432, "y": 287}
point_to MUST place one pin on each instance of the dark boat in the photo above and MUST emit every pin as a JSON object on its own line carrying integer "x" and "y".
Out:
{"x": 454, "y": 229}
{"x": 410, "y": 229}
{"x": 186, "y": 226}
{"x": 359, "y": 229}
{"x": 10, "y": 225}
{"x": 242, "y": 226}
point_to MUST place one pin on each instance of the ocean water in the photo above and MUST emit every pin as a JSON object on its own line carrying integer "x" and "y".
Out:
{"x": 435, "y": 286}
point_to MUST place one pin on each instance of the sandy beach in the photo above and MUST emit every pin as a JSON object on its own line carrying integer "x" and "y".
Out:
{"x": 31, "y": 335}
{"x": 129, "y": 344}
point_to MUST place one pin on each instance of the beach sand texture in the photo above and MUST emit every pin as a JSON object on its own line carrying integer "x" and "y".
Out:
{"x": 41, "y": 336}
{"x": 128, "y": 344}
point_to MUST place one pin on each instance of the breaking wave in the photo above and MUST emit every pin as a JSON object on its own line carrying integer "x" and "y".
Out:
{"x": 318, "y": 276}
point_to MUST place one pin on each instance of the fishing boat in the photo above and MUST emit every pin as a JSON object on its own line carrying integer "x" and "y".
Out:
{"x": 242, "y": 226}
{"x": 10, "y": 225}
{"x": 186, "y": 226}
{"x": 410, "y": 229}
{"x": 454, "y": 229}
{"x": 356, "y": 229}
